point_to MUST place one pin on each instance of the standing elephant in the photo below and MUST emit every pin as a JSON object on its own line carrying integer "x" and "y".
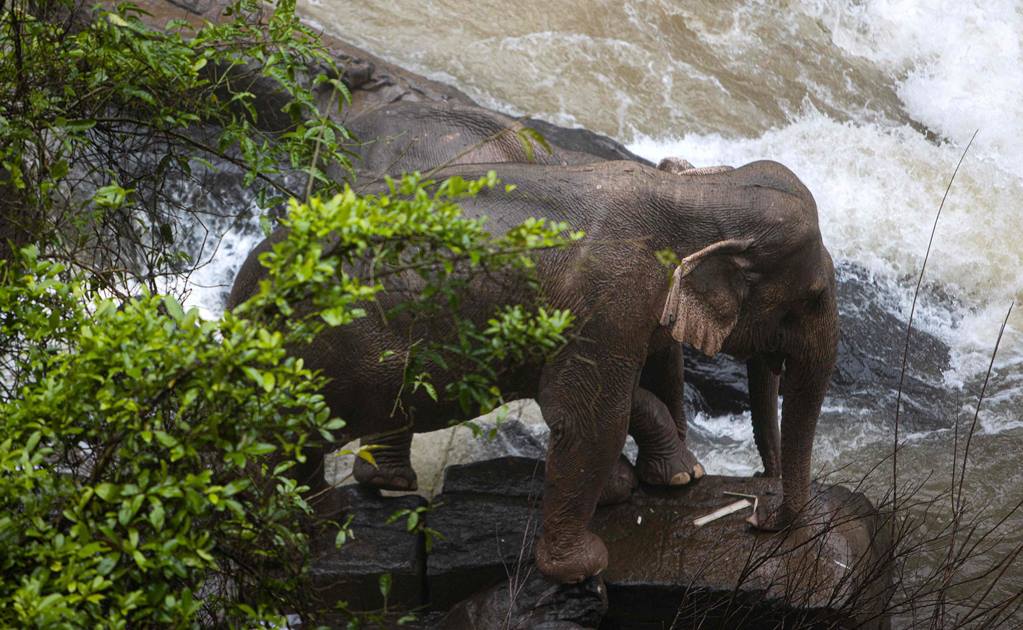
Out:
{"x": 755, "y": 281}
{"x": 420, "y": 136}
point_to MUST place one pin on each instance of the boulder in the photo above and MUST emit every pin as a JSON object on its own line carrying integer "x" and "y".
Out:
{"x": 663, "y": 570}
{"x": 530, "y": 602}
{"x": 870, "y": 356}
{"x": 352, "y": 572}
{"x": 488, "y": 516}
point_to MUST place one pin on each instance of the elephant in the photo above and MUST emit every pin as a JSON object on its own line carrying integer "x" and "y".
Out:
{"x": 419, "y": 136}
{"x": 755, "y": 281}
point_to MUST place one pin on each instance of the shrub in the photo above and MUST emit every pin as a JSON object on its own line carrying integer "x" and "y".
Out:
{"x": 144, "y": 451}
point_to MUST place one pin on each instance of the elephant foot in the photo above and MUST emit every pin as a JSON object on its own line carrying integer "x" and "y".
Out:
{"x": 778, "y": 518}
{"x": 675, "y": 469}
{"x": 620, "y": 484}
{"x": 571, "y": 563}
{"x": 386, "y": 475}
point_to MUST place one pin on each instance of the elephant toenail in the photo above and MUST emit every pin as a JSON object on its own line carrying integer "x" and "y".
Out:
{"x": 680, "y": 479}
{"x": 698, "y": 471}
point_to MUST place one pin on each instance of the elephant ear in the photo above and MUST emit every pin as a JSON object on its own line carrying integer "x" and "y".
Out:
{"x": 706, "y": 294}
{"x": 675, "y": 165}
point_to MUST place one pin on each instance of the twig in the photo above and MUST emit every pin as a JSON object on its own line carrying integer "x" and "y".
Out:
{"x": 909, "y": 326}
{"x": 983, "y": 390}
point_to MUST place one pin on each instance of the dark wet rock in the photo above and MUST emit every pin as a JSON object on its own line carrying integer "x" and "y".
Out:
{"x": 718, "y": 383}
{"x": 870, "y": 356}
{"x": 488, "y": 515}
{"x": 584, "y": 141}
{"x": 352, "y": 573}
{"x": 529, "y": 601}
{"x": 663, "y": 569}
{"x": 509, "y": 477}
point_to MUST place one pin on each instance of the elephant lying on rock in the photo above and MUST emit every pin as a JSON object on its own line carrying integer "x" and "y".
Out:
{"x": 755, "y": 281}
{"x": 419, "y": 136}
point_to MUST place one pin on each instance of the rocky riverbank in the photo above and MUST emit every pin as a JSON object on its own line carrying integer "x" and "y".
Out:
{"x": 686, "y": 571}
{"x": 664, "y": 571}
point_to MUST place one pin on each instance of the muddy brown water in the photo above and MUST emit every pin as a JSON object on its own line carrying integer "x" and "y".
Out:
{"x": 870, "y": 102}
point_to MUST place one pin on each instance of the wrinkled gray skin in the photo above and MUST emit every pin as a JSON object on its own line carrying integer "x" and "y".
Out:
{"x": 756, "y": 282}
{"x": 419, "y": 136}
{"x": 415, "y": 136}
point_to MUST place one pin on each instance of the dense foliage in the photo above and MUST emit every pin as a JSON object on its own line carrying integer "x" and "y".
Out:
{"x": 107, "y": 124}
{"x": 145, "y": 450}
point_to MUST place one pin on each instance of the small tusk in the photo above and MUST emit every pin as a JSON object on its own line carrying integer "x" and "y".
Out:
{"x": 731, "y": 508}
{"x": 752, "y": 520}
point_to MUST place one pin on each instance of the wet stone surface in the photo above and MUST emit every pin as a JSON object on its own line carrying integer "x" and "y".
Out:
{"x": 870, "y": 351}
{"x": 352, "y": 572}
{"x": 529, "y": 601}
{"x": 663, "y": 569}
{"x": 489, "y": 515}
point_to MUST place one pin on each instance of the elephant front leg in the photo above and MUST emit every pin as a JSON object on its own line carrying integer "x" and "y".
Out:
{"x": 763, "y": 396}
{"x": 393, "y": 469}
{"x": 805, "y": 386}
{"x": 586, "y": 405}
{"x": 664, "y": 459}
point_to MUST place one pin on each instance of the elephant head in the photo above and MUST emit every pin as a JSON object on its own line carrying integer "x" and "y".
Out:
{"x": 765, "y": 291}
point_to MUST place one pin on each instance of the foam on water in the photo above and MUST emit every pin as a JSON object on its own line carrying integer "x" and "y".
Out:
{"x": 210, "y": 283}
{"x": 878, "y": 184}
{"x": 960, "y": 63}
{"x": 878, "y": 189}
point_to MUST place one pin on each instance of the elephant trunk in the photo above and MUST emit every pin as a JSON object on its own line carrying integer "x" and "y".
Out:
{"x": 806, "y": 378}
{"x": 763, "y": 396}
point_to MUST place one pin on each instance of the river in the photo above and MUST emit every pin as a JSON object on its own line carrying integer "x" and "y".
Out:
{"x": 870, "y": 102}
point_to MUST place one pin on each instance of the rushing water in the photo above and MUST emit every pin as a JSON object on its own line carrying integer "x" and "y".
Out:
{"x": 870, "y": 102}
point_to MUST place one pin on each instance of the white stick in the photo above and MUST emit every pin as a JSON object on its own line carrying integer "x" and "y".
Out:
{"x": 720, "y": 513}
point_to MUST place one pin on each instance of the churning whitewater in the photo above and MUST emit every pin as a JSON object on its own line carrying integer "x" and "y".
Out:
{"x": 870, "y": 102}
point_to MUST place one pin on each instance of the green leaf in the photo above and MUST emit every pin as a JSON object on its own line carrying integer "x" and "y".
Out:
{"x": 173, "y": 308}
{"x": 157, "y": 515}
{"x": 116, "y": 20}
{"x": 108, "y": 492}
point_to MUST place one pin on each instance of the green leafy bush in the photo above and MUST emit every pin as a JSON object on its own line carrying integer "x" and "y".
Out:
{"x": 144, "y": 451}
{"x": 135, "y": 483}
{"x": 104, "y": 121}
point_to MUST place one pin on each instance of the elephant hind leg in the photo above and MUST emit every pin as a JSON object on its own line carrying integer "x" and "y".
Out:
{"x": 393, "y": 469}
{"x": 664, "y": 459}
{"x": 620, "y": 484}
